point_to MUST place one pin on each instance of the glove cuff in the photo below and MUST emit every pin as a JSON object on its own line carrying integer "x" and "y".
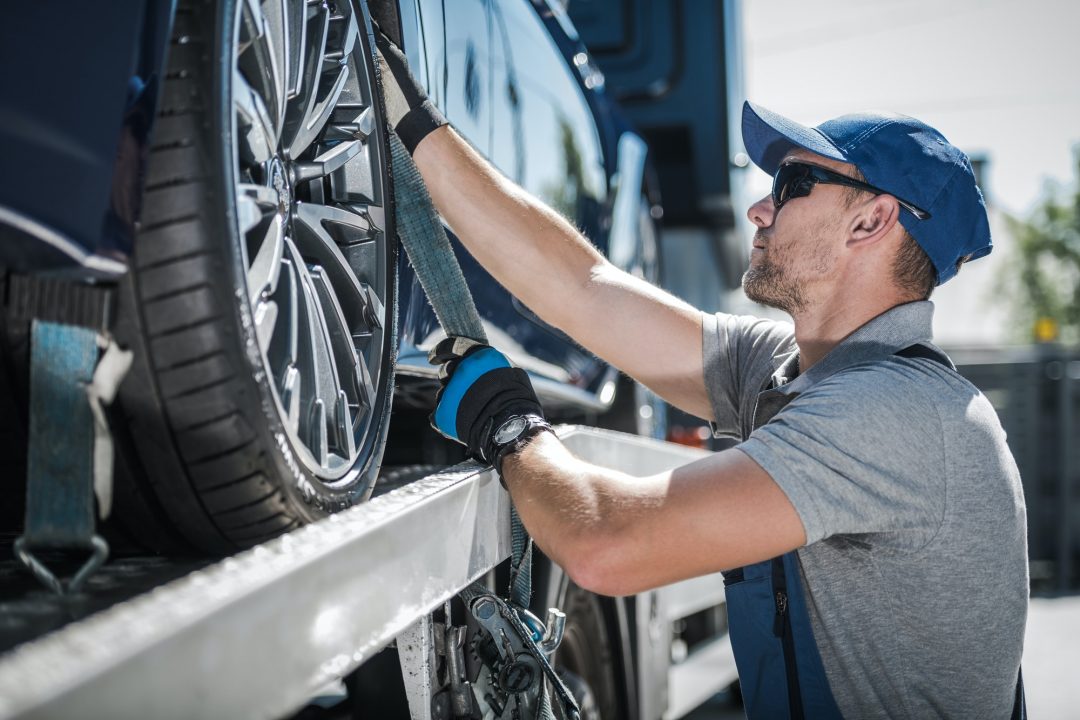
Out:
{"x": 418, "y": 123}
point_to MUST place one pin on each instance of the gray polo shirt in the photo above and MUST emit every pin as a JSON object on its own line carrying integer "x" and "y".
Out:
{"x": 915, "y": 567}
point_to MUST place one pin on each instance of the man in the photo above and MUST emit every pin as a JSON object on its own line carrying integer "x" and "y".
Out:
{"x": 871, "y": 524}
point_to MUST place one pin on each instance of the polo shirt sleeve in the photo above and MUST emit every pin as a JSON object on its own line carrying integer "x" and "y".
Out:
{"x": 862, "y": 452}
{"x": 738, "y": 359}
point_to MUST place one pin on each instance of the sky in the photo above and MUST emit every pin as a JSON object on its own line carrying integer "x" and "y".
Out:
{"x": 997, "y": 77}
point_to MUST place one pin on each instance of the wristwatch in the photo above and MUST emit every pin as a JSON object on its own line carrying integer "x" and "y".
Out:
{"x": 514, "y": 434}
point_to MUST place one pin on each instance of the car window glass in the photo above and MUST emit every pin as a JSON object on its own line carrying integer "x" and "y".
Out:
{"x": 543, "y": 133}
{"x": 468, "y": 76}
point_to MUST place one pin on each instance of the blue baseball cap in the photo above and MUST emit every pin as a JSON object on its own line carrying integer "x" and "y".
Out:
{"x": 900, "y": 155}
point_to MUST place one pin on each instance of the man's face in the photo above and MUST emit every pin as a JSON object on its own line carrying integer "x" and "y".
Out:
{"x": 796, "y": 248}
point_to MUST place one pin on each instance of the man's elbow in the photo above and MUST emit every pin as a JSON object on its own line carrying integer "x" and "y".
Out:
{"x": 603, "y": 566}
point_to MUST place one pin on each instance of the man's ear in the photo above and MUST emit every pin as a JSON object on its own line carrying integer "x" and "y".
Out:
{"x": 873, "y": 220}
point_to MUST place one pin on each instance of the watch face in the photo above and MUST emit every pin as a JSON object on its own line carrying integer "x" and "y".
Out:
{"x": 510, "y": 430}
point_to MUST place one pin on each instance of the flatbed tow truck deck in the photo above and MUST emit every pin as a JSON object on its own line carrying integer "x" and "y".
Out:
{"x": 259, "y": 634}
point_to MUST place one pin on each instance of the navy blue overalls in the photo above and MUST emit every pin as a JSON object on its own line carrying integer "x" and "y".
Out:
{"x": 780, "y": 668}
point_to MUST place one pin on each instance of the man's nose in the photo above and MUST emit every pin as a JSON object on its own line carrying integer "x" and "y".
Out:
{"x": 762, "y": 213}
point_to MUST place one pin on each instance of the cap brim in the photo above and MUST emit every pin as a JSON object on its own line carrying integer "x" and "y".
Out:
{"x": 769, "y": 137}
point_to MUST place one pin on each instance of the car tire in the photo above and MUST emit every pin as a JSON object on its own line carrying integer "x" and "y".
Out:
{"x": 262, "y": 301}
{"x": 591, "y": 659}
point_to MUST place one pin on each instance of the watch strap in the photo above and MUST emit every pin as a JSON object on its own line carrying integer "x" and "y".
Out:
{"x": 534, "y": 425}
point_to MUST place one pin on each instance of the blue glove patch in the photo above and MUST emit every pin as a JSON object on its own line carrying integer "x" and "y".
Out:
{"x": 465, "y": 374}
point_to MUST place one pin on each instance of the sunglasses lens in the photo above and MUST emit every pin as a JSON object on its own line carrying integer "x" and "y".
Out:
{"x": 792, "y": 180}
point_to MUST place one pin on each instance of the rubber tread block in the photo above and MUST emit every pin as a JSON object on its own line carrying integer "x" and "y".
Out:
{"x": 217, "y": 438}
{"x": 171, "y": 165}
{"x": 265, "y": 521}
{"x": 184, "y": 274}
{"x": 217, "y": 470}
{"x": 179, "y": 311}
{"x": 172, "y": 130}
{"x": 193, "y": 376}
{"x": 182, "y": 94}
{"x": 198, "y": 408}
{"x": 182, "y": 347}
{"x": 236, "y": 494}
{"x": 171, "y": 242}
{"x": 173, "y": 203}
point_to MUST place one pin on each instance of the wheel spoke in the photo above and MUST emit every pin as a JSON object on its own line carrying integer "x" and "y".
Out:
{"x": 266, "y": 197}
{"x": 326, "y": 163}
{"x": 290, "y": 397}
{"x": 343, "y": 426}
{"x": 263, "y": 274}
{"x": 343, "y": 350}
{"x": 363, "y": 258}
{"x": 316, "y": 356}
{"x": 248, "y": 213}
{"x": 351, "y": 33}
{"x": 258, "y": 131}
{"x": 334, "y": 225}
{"x": 253, "y": 203}
{"x": 366, "y": 394}
{"x": 374, "y": 308}
{"x": 318, "y": 22}
{"x": 277, "y": 21}
{"x": 351, "y": 125}
{"x": 265, "y": 318}
{"x": 259, "y": 59}
{"x": 281, "y": 351}
{"x": 312, "y": 234}
{"x": 317, "y": 116}
{"x": 317, "y": 440}
{"x": 297, "y": 24}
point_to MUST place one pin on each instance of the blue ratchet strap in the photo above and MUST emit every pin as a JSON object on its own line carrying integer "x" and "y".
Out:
{"x": 60, "y": 462}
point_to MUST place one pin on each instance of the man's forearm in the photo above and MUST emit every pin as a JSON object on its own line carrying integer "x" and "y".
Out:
{"x": 616, "y": 534}
{"x": 528, "y": 247}
{"x": 583, "y": 516}
{"x": 537, "y": 255}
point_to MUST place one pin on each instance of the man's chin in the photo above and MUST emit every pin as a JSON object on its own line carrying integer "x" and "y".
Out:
{"x": 762, "y": 289}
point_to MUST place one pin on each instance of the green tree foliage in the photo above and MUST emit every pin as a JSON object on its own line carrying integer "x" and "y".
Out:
{"x": 1045, "y": 280}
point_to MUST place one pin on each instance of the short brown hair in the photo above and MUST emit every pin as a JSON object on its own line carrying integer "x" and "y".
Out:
{"x": 912, "y": 269}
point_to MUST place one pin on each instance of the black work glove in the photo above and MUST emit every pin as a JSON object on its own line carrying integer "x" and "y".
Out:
{"x": 481, "y": 391}
{"x": 408, "y": 110}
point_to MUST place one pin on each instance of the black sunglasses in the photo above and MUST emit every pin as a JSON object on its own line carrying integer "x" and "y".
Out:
{"x": 796, "y": 179}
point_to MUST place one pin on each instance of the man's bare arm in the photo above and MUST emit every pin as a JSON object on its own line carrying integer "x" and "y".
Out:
{"x": 617, "y": 535}
{"x": 539, "y": 256}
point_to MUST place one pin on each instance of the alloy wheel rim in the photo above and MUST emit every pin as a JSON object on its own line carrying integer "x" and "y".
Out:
{"x": 310, "y": 213}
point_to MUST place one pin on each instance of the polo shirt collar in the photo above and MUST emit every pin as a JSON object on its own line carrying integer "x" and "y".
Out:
{"x": 895, "y": 329}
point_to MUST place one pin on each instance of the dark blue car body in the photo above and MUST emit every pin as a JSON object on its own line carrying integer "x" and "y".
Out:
{"x": 75, "y": 126}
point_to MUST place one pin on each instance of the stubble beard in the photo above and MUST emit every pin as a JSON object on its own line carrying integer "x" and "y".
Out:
{"x": 770, "y": 284}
